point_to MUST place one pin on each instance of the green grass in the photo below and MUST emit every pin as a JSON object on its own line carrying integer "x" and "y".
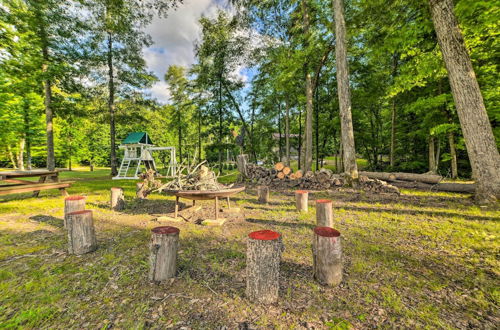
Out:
{"x": 420, "y": 260}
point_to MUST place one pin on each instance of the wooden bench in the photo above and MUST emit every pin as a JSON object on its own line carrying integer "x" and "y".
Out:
{"x": 36, "y": 187}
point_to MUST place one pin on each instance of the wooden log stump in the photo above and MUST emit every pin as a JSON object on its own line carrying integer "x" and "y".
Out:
{"x": 327, "y": 256}
{"x": 324, "y": 213}
{"x": 163, "y": 257}
{"x": 73, "y": 204}
{"x": 301, "y": 200}
{"x": 139, "y": 190}
{"x": 117, "y": 199}
{"x": 263, "y": 194}
{"x": 264, "y": 249}
{"x": 241, "y": 162}
{"x": 81, "y": 233}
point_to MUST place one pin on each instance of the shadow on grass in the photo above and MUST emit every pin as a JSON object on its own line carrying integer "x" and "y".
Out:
{"x": 48, "y": 219}
{"x": 280, "y": 223}
{"x": 418, "y": 212}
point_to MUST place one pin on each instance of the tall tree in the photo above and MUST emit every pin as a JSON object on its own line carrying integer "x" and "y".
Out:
{"x": 309, "y": 94}
{"x": 347, "y": 132}
{"x": 476, "y": 127}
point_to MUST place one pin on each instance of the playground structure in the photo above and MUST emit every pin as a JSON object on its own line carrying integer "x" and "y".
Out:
{"x": 138, "y": 156}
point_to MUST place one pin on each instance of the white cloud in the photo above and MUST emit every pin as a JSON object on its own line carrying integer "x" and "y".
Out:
{"x": 174, "y": 39}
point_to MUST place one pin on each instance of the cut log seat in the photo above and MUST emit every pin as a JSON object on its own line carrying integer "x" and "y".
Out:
{"x": 16, "y": 189}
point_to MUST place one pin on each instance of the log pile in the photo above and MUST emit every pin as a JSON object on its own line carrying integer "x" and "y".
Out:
{"x": 282, "y": 177}
{"x": 198, "y": 178}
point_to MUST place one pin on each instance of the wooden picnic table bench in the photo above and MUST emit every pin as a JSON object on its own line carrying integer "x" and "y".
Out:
{"x": 17, "y": 185}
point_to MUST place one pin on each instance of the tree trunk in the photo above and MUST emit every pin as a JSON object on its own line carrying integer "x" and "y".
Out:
{"x": 327, "y": 256}
{"x": 438, "y": 153}
{"x": 117, "y": 199}
{"x": 264, "y": 249}
{"x": 324, "y": 213}
{"x": 241, "y": 162}
{"x": 300, "y": 140}
{"x": 20, "y": 154}
{"x": 73, "y": 204}
{"x": 111, "y": 107}
{"x": 48, "y": 113}
{"x": 81, "y": 233}
{"x": 287, "y": 133}
{"x": 279, "y": 133}
{"x": 27, "y": 133}
{"x": 11, "y": 157}
{"x": 393, "y": 116}
{"x": 427, "y": 178}
{"x": 476, "y": 127}
{"x": 179, "y": 133}
{"x": 350, "y": 166}
{"x": 432, "y": 155}
{"x": 453, "y": 155}
{"x": 309, "y": 96}
{"x": 163, "y": 253}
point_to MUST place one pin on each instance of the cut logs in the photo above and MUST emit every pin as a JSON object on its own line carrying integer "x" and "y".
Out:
{"x": 163, "y": 253}
{"x": 73, "y": 204}
{"x": 279, "y": 166}
{"x": 425, "y": 178}
{"x": 263, "y": 194}
{"x": 81, "y": 233}
{"x": 324, "y": 213}
{"x": 264, "y": 249}
{"x": 301, "y": 200}
{"x": 327, "y": 256}
{"x": 117, "y": 199}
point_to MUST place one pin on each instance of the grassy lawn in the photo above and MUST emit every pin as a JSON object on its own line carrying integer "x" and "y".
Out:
{"x": 420, "y": 260}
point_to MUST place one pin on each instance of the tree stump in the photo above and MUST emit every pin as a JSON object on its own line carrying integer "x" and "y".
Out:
{"x": 301, "y": 200}
{"x": 324, "y": 213}
{"x": 81, "y": 233}
{"x": 117, "y": 199}
{"x": 163, "y": 257}
{"x": 241, "y": 162}
{"x": 264, "y": 249}
{"x": 73, "y": 204}
{"x": 327, "y": 256}
{"x": 263, "y": 192}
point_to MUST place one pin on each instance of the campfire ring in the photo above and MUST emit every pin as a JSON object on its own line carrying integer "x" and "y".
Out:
{"x": 195, "y": 195}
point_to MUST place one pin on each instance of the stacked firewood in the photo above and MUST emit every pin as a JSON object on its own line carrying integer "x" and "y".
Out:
{"x": 281, "y": 176}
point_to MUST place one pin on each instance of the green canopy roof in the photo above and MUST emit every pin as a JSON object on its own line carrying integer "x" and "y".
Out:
{"x": 137, "y": 137}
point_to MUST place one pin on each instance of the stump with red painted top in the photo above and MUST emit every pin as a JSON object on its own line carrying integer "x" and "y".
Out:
{"x": 73, "y": 204}
{"x": 263, "y": 192}
{"x": 264, "y": 249}
{"x": 81, "y": 233}
{"x": 327, "y": 256}
{"x": 324, "y": 213}
{"x": 301, "y": 200}
{"x": 163, "y": 257}
{"x": 117, "y": 199}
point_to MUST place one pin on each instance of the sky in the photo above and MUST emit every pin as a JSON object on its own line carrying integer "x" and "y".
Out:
{"x": 174, "y": 39}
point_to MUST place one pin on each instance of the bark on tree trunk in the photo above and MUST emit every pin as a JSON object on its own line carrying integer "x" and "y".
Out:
{"x": 73, "y": 204}
{"x": 264, "y": 249}
{"x": 241, "y": 162}
{"x": 301, "y": 200}
{"x": 432, "y": 155}
{"x": 393, "y": 115}
{"x": 81, "y": 233}
{"x": 163, "y": 253}
{"x": 349, "y": 150}
{"x": 279, "y": 134}
{"x": 117, "y": 199}
{"x": 51, "y": 163}
{"x": 324, "y": 213}
{"x": 476, "y": 127}
{"x": 309, "y": 96}
{"x": 327, "y": 256}
{"x": 11, "y": 157}
{"x": 453, "y": 155}
{"x": 20, "y": 154}
{"x": 111, "y": 106}
{"x": 287, "y": 133}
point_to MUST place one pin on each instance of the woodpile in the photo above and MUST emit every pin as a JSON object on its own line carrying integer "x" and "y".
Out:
{"x": 282, "y": 177}
{"x": 198, "y": 178}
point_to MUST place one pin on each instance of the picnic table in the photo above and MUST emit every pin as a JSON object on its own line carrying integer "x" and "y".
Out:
{"x": 17, "y": 184}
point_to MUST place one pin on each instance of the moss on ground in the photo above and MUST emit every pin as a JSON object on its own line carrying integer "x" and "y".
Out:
{"x": 421, "y": 260}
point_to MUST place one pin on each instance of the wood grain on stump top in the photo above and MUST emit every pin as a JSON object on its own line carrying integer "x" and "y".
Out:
{"x": 301, "y": 191}
{"x": 165, "y": 230}
{"x": 80, "y": 212}
{"x": 326, "y": 232}
{"x": 264, "y": 235}
{"x": 74, "y": 198}
{"x": 324, "y": 201}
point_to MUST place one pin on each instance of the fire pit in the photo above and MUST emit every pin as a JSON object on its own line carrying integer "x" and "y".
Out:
{"x": 195, "y": 195}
